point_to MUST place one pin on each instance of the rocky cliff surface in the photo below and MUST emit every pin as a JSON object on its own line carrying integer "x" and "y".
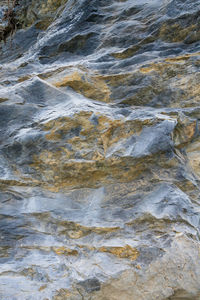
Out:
{"x": 100, "y": 151}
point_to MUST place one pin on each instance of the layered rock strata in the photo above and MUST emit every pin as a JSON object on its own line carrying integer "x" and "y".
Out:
{"x": 99, "y": 151}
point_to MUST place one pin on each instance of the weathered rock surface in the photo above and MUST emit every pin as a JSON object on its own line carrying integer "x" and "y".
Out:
{"x": 100, "y": 151}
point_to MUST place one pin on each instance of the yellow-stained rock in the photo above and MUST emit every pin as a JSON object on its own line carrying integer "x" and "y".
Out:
{"x": 122, "y": 252}
{"x": 65, "y": 251}
{"x": 90, "y": 87}
{"x": 175, "y": 32}
{"x": 193, "y": 154}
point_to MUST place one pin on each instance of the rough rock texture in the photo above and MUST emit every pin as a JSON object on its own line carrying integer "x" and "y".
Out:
{"x": 100, "y": 151}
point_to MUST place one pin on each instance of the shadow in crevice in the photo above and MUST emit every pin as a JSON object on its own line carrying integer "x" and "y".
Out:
{"x": 184, "y": 295}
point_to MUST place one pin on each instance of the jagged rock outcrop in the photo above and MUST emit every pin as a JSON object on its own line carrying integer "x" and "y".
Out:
{"x": 99, "y": 151}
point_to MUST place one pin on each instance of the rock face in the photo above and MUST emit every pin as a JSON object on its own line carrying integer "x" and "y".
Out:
{"x": 100, "y": 151}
